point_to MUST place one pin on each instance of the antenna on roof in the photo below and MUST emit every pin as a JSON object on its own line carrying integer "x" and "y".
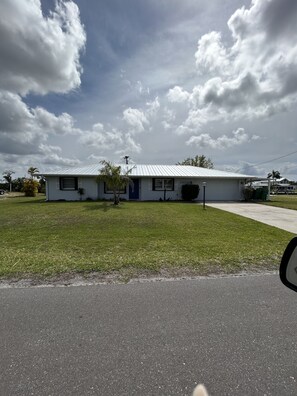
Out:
{"x": 126, "y": 158}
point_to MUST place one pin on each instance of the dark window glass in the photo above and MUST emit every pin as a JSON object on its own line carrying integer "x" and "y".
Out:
{"x": 163, "y": 184}
{"x": 68, "y": 183}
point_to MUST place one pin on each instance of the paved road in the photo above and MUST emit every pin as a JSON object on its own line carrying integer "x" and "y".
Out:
{"x": 286, "y": 219}
{"x": 237, "y": 335}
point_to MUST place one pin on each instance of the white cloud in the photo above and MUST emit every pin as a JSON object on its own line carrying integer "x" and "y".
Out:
{"x": 255, "y": 76}
{"x": 152, "y": 108}
{"x": 23, "y": 129}
{"x": 139, "y": 120}
{"x": 250, "y": 169}
{"x": 48, "y": 122}
{"x": 196, "y": 119}
{"x": 45, "y": 156}
{"x": 37, "y": 54}
{"x": 51, "y": 155}
{"x": 238, "y": 137}
{"x": 40, "y": 54}
{"x": 55, "y": 159}
{"x": 15, "y": 116}
{"x": 177, "y": 95}
{"x": 101, "y": 139}
{"x": 211, "y": 55}
{"x": 141, "y": 89}
{"x": 97, "y": 158}
{"x": 48, "y": 149}
{"x": 136, "y": 119}
{"x": 130, "y": 146}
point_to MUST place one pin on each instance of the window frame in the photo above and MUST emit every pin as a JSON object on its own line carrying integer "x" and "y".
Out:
{"x": 163, "y": 183}
{"x": 75, "y": 179}
{"x": 107, "y": 191}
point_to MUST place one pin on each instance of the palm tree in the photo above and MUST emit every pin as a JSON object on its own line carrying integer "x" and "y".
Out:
{"x": 7, "y": 175}
{"x": 32, "y": 170}
{"x": 274, "y": 175}
{"x": 114, "y": 178}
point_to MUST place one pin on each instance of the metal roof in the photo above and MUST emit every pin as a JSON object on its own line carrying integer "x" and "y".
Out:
{"x": 153, "y": 171}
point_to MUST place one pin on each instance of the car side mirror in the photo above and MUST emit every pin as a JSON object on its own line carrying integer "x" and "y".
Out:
{"x": 288, "y": 266}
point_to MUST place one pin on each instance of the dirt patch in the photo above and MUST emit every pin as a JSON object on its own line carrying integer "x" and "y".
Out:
{"x": 129, "y": 275}
{"x": 12, "y": 195}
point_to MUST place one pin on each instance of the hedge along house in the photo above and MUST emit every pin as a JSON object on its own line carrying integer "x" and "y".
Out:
{"x": 150, "y": 183}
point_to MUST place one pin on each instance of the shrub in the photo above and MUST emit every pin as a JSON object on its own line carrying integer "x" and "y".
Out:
{"x": 41, "y": 186}
{"x": 190, "y": 192}
{"x": 81, "y": 192}
{"x": 30, "y": 187}
{"x": 248, "y": 193}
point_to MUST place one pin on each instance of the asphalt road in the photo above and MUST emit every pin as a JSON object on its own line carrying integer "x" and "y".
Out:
{"x": 237, "y": 335}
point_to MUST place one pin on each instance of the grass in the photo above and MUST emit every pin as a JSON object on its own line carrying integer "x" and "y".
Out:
{"x": 283, "y": 201}
{"x": 61, "y": 237}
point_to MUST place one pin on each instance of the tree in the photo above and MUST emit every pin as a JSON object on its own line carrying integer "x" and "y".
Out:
{"x": 198, "y": 160}
{"x": 42, "y": 183}
{"x": 114, "y": 178}
{"x": 274, "y": 175}
{"x": 32, "y": 171}
{"x": 7, "y": 175}
{"x": 18, "y": 184}
{"x": 30, "y": 187}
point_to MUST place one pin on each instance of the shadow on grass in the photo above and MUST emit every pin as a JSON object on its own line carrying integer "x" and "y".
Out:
{"x": 34, "y": 201}
{"x": 104, "y": 206}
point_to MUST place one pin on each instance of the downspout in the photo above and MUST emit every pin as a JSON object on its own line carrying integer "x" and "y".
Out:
{"x": 46, "y": 190}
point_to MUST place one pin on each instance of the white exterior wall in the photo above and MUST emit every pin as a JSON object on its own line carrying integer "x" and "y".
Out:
{"x": 216, "y": 189}
{"x": 53, "y": 192}
{"x": 102, "y": 195}
{"x": 147, "y": 193}
{"x": 222, "y": 190}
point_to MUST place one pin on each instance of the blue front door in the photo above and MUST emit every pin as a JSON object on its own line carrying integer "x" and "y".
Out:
{"x": 134, "y": 189}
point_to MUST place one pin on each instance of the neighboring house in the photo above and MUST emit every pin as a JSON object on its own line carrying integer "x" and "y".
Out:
{"x": 283, "y": 180}
{"x": 261, "y": 183}
{"x": 282, "y": 185}
{"x": 150, "y": 183}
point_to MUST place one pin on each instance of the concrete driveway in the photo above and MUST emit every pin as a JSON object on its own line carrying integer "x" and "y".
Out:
{"x": 286, "y": 219}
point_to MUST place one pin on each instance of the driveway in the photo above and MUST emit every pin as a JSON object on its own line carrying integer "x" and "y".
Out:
{"x": 286, "y": 219}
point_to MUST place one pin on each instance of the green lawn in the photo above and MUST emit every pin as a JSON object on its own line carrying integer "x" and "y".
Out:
{"x": 53, "y": 238}
{"x": 283, "y": 201}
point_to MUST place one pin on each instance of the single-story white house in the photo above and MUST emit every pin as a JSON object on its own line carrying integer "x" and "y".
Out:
{"x": 150, "y": 183}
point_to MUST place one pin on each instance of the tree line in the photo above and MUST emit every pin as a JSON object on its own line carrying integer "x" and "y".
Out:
{"x": 29, "y": 185}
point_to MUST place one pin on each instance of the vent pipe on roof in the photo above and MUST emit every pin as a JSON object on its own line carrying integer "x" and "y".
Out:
{"x": 126, "y": 158}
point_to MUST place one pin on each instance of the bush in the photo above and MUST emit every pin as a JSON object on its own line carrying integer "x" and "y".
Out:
{"x": 248, "y": 193}
{"x": 30, "y": 187}
{"x": 41, "y": 186}
{"x": 18, "y": 184}
{"x": 190, "y": 192}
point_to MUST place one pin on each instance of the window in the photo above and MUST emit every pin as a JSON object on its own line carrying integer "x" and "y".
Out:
{"x": 68, "y": 183}
{"x": 107, "y": 190}
{"x": 163, "y": 184}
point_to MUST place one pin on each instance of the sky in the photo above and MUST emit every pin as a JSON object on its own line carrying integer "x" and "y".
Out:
{"x": 158, "y": 80}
